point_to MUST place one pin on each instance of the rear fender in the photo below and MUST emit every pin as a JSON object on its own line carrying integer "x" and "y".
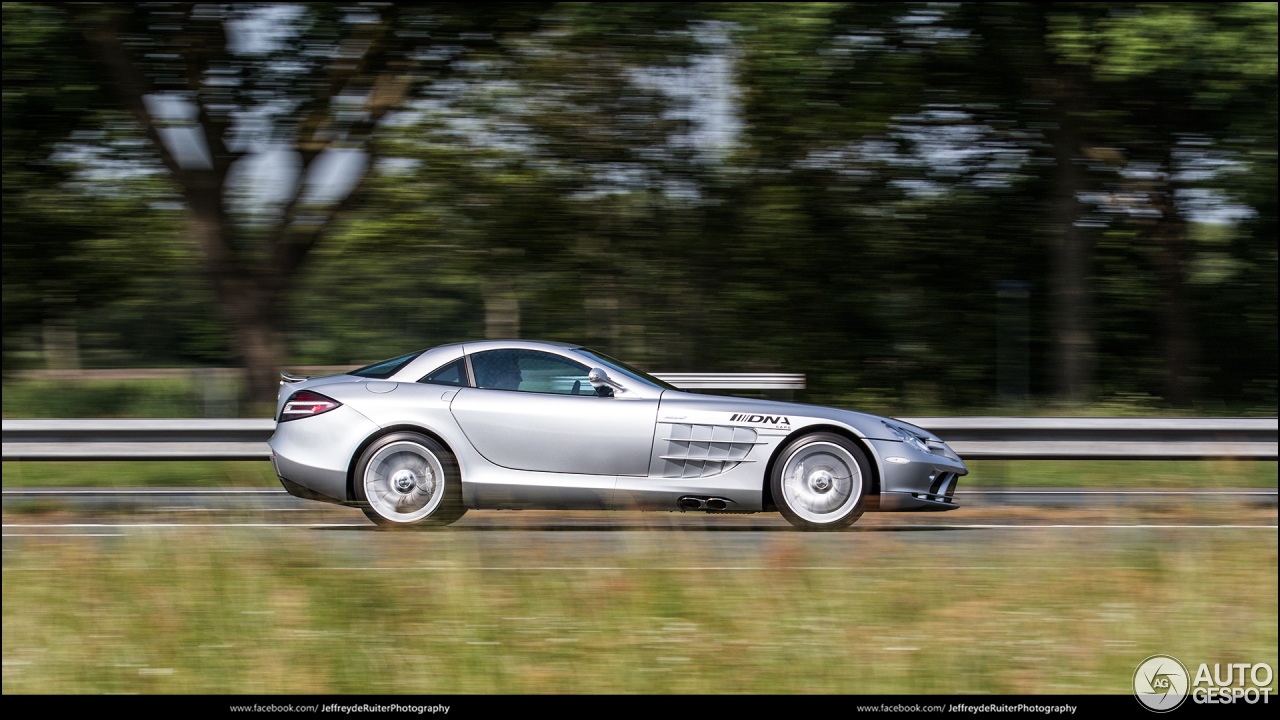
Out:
{"x": 380, "y": 433}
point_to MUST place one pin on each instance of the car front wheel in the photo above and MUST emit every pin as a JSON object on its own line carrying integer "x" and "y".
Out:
{"x": 407, "y": 479}
{"x": 820, "y": 481}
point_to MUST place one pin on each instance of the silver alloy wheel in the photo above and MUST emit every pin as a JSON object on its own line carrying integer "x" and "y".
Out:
{"x": 404, "y": 482}
{"x": 821, "y": 482}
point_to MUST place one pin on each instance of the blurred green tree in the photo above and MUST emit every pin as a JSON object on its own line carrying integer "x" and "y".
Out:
{"x": 1184, "y": 96}
{"x": 211, "y": 85}
{"x": 828, "y": 188}
{"x": 50, "y": 269}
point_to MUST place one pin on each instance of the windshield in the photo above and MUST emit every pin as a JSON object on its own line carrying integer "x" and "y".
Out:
{"x": 386, "y": 368}
{"x": 626, "y": 369}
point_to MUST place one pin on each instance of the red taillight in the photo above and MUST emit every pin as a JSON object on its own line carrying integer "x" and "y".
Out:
{"x": 305, "y": 403}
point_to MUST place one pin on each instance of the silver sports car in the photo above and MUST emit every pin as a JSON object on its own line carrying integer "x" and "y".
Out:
{"x": 419, "y": 439}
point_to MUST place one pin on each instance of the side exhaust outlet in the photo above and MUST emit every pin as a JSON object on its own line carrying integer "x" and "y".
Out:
{"x": 693, "y": 502}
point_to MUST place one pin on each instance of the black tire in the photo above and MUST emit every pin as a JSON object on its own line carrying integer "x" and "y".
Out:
{"x": 837, "y": 456}
{"x": 402, "y": 448}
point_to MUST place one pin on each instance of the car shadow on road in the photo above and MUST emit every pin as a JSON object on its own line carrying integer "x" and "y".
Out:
{"x": 562, "y": 527}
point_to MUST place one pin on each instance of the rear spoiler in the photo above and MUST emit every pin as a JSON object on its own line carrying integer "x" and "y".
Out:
{"x": 287, "y": 378}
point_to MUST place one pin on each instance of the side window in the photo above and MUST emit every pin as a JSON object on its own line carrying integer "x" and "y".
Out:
{"x": 386, "y": 368}
{"x": 454, "y": 373}
{"x": 530, "y": 371}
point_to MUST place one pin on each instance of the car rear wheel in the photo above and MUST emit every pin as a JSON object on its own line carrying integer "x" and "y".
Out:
{"x": 820, "y": 481}
{"x": 408, "y": 479}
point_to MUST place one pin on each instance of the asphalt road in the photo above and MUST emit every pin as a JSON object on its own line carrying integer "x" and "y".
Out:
{"x": 1245, "y": 512}
{"x": 590, "y": 542}
{"x": 986, "y": 518}
{"x": 274, "y": 499}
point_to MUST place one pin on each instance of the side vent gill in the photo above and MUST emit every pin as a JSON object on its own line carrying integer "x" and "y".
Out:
{"x": 691, "y": 451}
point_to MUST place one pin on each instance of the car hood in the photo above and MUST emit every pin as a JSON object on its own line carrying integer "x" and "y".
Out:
{"x": 797, "y": 415}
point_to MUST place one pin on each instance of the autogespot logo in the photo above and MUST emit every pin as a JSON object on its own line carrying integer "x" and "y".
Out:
{"x": 1160, "y": 683}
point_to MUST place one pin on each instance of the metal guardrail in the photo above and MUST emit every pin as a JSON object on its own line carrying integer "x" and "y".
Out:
{"x": 973, "y": 438}
{"x": 1017, "y": 438}
{"x": 734, "y": 381}
{"x": 158, "y": 439}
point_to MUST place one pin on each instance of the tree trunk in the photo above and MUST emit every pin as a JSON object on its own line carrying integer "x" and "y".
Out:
{"x": 601, "y": 311}
{"x": 261, "y": 353}
{"x": 501, "y": 309}
{"x": 248, "y": 299}
{"x": 1178, "y": 347}
{"x": 1072, "y": 250}
{"x": 61, "y": 344}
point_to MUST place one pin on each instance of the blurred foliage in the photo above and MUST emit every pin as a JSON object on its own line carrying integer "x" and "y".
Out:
{"x": 827, "y": 188}
{"x": 179, "y": 397}
{"x": 91, "y": 233}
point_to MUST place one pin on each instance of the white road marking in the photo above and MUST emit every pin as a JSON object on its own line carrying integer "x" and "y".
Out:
{"x": 186, "y": 525}
{"x": 159, "y": 491}
{"x": 1117, "y": 492}
{"x": 743, "y": 568}
{"x": 709, "y": 528}
{"x": 65, "y": 534}
{"x": 719, "y": 568}
{"x": 1042, "y": 527}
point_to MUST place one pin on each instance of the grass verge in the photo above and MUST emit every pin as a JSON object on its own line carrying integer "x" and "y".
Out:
{"x": 139, "y": 474}
{"x": 1121, "y": 474}
{"x": 220, "y": 611}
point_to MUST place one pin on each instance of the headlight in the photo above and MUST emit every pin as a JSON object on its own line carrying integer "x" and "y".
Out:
{"x": 908, "y": 438}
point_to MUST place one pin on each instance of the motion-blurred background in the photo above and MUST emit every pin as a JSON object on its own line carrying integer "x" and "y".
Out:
{"x": 925, "y": 208}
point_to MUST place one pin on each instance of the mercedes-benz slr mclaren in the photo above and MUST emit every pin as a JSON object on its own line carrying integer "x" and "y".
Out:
{"x": 420, "y": 439}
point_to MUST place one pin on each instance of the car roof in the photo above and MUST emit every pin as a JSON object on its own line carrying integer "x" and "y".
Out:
{"x": 516, "y": 344}
{"x": 433, "y": 358}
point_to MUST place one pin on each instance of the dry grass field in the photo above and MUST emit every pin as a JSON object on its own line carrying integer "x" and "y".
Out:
{"x": 512, "y": 610}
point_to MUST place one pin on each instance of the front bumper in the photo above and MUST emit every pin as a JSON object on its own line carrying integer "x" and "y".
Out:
{"x": 916, "y": 481}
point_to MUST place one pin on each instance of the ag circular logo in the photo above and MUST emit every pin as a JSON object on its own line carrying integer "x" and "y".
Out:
{"x": 1160, "y": 683}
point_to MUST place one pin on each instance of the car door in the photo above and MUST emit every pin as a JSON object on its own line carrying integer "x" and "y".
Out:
{"x": 533, "y": 410}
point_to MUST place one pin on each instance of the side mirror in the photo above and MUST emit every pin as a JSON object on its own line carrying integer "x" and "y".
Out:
{"x": 599, "y": 378}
